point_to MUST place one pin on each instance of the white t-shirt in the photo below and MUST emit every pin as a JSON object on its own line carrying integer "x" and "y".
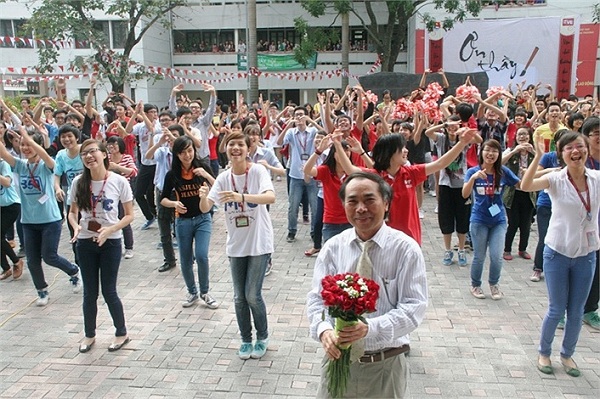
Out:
{"x": 115, "y": 190}
{"x": 569, "y": 231}
{"x": 257, "y": 238}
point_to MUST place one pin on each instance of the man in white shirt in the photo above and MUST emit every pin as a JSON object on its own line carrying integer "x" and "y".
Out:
{"x": 398, "y": 267}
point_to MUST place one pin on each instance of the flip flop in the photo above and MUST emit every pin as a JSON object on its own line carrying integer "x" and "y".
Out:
{"x": 115, "y": 347}
{"x": 311, "y": 252}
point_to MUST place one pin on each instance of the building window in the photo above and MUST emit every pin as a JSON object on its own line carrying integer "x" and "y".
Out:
{"x": 22, "y": 33}
{"x": 6, "y": 31}
{"x": 120, "y": 29}
{"x": 203, "y": 41}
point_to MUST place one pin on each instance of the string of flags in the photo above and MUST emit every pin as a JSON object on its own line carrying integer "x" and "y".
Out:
{"x": 177, "y": 74}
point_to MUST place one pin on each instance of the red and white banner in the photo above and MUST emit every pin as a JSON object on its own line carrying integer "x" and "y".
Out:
{"x": 508, "y": 50}
{"x": 586, "y": 59}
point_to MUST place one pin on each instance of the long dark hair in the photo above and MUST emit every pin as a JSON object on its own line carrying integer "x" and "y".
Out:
{"x": 330, "y": 161}
{"x": 83, "y": 190}
{"x": 385, "y": 147}
{"x": 180, "y": 144}
{"x": 498, "y": 173}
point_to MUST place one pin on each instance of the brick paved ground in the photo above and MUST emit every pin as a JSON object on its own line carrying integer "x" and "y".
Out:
{"x": 465, "y": 348}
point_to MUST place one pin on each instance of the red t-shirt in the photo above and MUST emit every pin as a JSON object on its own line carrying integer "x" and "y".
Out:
{"x": 354, "y": 157}
{"x": 212, "y": 147}
{"x": 333, "y": 209}
{"x": 404, "y": 209}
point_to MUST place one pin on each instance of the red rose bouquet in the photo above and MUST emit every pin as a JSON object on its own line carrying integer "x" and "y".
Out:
{"x": 348, "y": 296}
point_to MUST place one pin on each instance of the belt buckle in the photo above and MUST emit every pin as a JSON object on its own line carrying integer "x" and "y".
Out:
{"x": 371, "y": 358}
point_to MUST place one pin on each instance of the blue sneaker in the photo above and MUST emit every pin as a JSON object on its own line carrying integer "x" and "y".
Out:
{"x": 260, "y": 348}
{"x": 148, "y": 223}
{"x": 245, "y": 351}
{"x": 462, "y": 258}
{"x": 447, "y": 261}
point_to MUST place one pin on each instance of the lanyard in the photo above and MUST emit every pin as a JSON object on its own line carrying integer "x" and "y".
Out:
{"x": 93, "y": 201}
{"x": 34, "y": 182}
{"x": 303, "y": 145}
{"x": 491, "y": 190}
{"x": 245, "y": 189}
{"x": 586, "y": 204}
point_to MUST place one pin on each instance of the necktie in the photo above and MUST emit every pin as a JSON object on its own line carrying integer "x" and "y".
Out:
{"x": 364, "y": 267}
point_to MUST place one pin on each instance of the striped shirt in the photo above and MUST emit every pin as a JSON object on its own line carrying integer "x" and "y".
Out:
{"x": 398, "y": 268}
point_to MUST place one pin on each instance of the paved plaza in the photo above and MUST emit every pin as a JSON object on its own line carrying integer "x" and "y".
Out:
{"x": 465, "y": 348}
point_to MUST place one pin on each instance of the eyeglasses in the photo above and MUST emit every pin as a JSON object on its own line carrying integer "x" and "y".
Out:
{"x": 165, "y": 120}
{"x": 84, "y": 154}
{"x": 578, "y": 147}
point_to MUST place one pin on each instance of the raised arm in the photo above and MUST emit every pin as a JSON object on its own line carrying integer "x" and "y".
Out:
{"x": 466, "y": 136}
{"x": 529, "y": 182}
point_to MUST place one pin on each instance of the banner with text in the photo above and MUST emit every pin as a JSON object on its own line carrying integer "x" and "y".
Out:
{"x": 508, "y": 50}
{"x": 276, "y": 62}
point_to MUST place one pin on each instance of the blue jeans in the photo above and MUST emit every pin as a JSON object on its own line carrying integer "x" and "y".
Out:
{"x": 193, "y": 235}
{"x": 295, "y": 197}
{"x": 100, "y": 265}
{"x": 247, "y": 274}
{"x": 42, "y": 243}
{"x": 543, "y": 220}
{"x": 331, "y": 230}
{"x": 568, "y": 281}
{"x": 482, "y": 237}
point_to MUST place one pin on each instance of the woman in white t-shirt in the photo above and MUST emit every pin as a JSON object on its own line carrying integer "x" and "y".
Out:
{"x": 96, "y": 194}
{"x": 571, "y": 243}
{"x": 244, "y": 190}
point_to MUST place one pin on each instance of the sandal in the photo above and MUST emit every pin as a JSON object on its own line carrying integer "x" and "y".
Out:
{"x": 311, "y": 252}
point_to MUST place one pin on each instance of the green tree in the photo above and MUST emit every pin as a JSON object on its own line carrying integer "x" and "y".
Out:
{"x": 72, "y": 19}
{"x": 387, "y": 36}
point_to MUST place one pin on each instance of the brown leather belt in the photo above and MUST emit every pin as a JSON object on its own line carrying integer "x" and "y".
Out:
{"x": 384, "y": 354}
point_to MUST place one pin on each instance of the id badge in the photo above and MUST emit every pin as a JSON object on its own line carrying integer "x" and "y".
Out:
{"x": 242, "y": 221}
{"x": 494, "y": 210}
{"x": 304, "y": 157}
{"x": 43, "y": 199}
{"x": 94, "y": 226}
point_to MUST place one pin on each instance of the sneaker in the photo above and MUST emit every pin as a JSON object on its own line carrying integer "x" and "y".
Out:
{"x": 496, "y": 293}
{"x": 436, "y": 209}
{"x": 148, "y": 223}
{"x": 477, "y": 292}
{"x": 524, "y": 255}
{"x": 128, "y": 254}
{"x": 260, "y": 348}
{"x": 421, "y": 214}
{"x": 269, "y": 267}
{"x": 561, "y": 323}
{"x": 592, "y": 319}
{"x": 447, "y": 261}
{"x": 507, "y": 256}
{"x": 536, "y": 276}
{"x": 278, "y": 178}
{"x": 291, "y": 237}
{"x": 462, "y": 258}
{"x": 190, "y": 300}
{"x": 209, "y": 301}
{"x": 42, "y": 298}
{"x": 6, "y": 274}
{"x": 432, "y": 193}
{"x": 75, "y": 282}
{"x": 245, "y": 351}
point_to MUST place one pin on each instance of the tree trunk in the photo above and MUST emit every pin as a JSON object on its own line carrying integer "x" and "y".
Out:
{"x": 252, "y": 93}
{"x": 345, "y": 49}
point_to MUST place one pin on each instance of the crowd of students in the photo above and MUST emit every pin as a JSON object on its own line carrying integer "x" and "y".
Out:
{"x": 492, "y": 164}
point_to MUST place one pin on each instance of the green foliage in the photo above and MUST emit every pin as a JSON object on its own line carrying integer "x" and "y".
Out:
{"x": 457, "y": 11}
{"x": 72, "y": 19}
{"x": 15, "y": 102}
{"x": 312, "y": 38}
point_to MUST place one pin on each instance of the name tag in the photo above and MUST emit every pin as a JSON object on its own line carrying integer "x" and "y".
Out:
{"x": 494, "y": 210}
{"x": 242, "y": 221}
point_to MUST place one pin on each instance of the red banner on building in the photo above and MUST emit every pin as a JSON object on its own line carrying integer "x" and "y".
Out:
{"x": 586, "y": 59}
{"x": 565, "y": 58}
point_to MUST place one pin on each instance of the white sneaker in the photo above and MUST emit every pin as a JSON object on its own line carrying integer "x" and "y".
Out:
{"x": 42, "y": 298}
{"x": 432, "y": 193}
{"x": 128, "y": 253}
{"x": 75, "y": 282}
